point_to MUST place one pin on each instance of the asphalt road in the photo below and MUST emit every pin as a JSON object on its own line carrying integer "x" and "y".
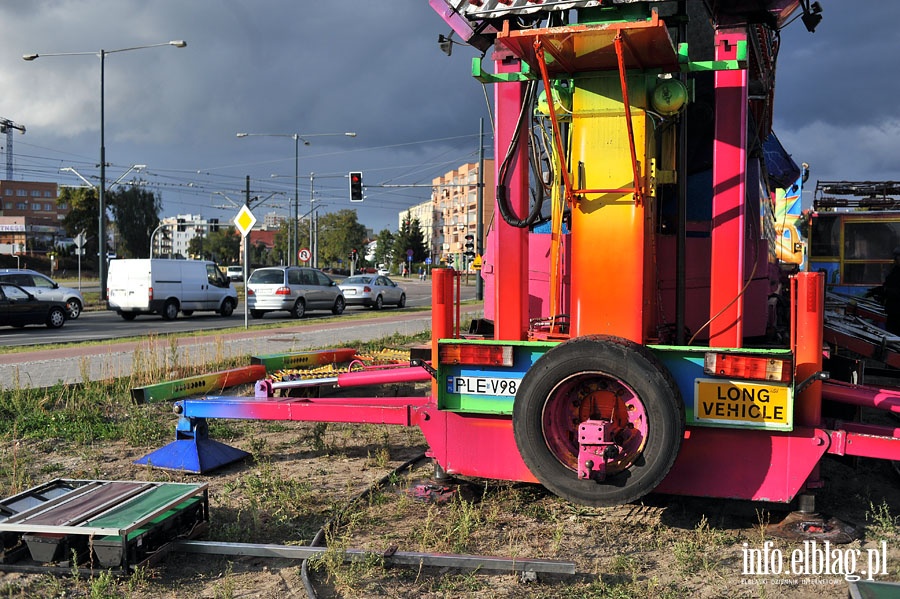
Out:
{"x": 152, "y": 346}
{"x": 102, "y": 325}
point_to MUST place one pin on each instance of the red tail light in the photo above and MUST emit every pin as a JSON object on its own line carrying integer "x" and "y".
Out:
{"x": 149, "y": 293}
{"x": 250, "y": 292}
{"x": 476, "y": 355}
{"x": 367, "y": 289}
{"x": 283, "y": 291}
{"x": 758, "y": 368}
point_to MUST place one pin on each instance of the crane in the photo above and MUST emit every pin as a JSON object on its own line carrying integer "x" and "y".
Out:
{"x": 7, "y": 126}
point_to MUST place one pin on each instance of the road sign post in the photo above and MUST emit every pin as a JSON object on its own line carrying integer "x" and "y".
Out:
{"x": 80, "y": 239}
{"x": 244, "y": 222}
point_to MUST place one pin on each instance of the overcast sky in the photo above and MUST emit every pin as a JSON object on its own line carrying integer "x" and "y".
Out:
{"x": 285, "y": 67}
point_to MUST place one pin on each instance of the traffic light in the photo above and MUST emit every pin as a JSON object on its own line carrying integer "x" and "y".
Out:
{"x": 353, "y": 255}
{"x": 356, "y": 188}
{"x": 470, "y": 246}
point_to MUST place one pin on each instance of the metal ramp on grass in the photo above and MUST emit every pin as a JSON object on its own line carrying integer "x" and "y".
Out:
{"x": 75, "y": 524}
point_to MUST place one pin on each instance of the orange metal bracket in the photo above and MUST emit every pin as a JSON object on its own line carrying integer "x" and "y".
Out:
{"x": 557, "y": 137}
{"x": 570, "y": 192}
{"x": 638, "y": 190}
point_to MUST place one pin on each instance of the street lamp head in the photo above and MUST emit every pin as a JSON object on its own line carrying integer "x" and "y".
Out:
{"x": 30, "y": 56}
{"x": 178, "y": 43}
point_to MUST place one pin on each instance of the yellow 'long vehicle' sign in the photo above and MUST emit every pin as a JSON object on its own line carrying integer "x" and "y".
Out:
{"x": 742, "y": 403}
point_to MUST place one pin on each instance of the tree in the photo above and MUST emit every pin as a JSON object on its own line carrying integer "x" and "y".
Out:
{"x": 340, "y": 232}
{"x": 223, "y": 245}
{"x": 384, "y": 247}
{"x": 136, "y": 212}
{"x": 410, "y": 237}
{"x": 282, "y": 244}
{"x": 83, "y": 214}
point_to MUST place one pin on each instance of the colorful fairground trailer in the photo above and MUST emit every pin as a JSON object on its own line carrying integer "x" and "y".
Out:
{"x": 626, "y": 345}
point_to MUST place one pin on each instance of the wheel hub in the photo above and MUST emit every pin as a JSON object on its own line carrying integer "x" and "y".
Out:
{"x": 596, "y": 425}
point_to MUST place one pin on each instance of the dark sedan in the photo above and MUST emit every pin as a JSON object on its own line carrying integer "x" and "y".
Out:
{"x": 19, "y": 308}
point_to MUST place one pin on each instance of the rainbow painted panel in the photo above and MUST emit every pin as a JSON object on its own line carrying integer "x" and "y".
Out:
{"x": 274, "y": 362}
{"x": 608, "y": 228}
{"x": 487, "y": 389}
{"x": 719, "y": 410}
{"x": 198, "y": 385}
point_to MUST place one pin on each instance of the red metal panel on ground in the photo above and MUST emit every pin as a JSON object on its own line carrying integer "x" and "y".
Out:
{"x": 86, "y": 505}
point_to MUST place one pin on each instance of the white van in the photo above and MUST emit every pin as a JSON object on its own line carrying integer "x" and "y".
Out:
{"x": 165, "y": 287}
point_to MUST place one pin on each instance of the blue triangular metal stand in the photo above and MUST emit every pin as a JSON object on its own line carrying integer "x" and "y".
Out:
{"x": 192, "y": 450}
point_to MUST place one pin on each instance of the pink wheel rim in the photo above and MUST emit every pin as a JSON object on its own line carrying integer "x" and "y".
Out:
{"x": 597, "y": 396}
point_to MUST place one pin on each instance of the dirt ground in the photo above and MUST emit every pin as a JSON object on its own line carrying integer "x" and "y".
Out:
{"x": 304, "y": 474}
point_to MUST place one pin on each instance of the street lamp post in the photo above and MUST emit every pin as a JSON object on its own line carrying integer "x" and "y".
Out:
{"x": 101, "y": 269}
{"x": 294, "y": 245}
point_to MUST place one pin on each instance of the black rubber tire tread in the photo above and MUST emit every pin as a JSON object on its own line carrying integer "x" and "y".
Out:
{"x": 256, "y": 313}
{"x": 339, "y": 305}
{"x": 227, "y": 308}
{"x": 170, "y": 310}
{"x": 299, "y": 309}
{"x": 379, "y": 303}
{"x": 187, "y": 312}
{"x": 129, "y": 316}
{"x": 56, "y": 317}
{"x": 402, "y": 302}
{"x": 628, "y": 362}
{"x": 74, "y": 308}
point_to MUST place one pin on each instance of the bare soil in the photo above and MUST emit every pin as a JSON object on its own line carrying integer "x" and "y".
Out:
{"x": 302, "y": 475}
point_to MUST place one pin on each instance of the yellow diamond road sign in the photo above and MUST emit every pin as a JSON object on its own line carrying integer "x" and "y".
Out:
{"x": 244, "y": 221}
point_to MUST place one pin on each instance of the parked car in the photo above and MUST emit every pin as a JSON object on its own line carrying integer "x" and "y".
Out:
{"x": 235, "y": 273}
{"x": 43, "y": 287}
{"x": 292, "y": 289}
{"x": 167, "y": 287}
{"x": 18, "y": 308}
{"x": 384, "y": 272}
{"x": 375, "y": 291}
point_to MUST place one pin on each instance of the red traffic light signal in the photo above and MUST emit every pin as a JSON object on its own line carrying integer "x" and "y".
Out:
{"x": 356, "y": 188}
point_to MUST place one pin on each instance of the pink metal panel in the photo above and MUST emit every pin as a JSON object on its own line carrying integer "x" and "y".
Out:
{"x": 471, "y": 445}
{"x": 383, "y": 377}
{"x": 861, "y": 395}
{"x": 511, "y": 273}
{"x": 729, "y": 191}
{"x": 865, "y": 440}
{"x": 755, "y": 465}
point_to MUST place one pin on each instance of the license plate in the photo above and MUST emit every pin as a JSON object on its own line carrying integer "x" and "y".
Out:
{"x": 742, "y": 403}
{"x": 480, "y": 385}
{"x": 350, "y": 292}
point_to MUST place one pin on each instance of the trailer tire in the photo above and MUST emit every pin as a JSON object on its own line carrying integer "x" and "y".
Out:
{"x": 607, "y": 378}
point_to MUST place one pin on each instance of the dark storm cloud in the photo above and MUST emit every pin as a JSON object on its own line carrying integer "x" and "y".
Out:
{"x": 282, "y": 66}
